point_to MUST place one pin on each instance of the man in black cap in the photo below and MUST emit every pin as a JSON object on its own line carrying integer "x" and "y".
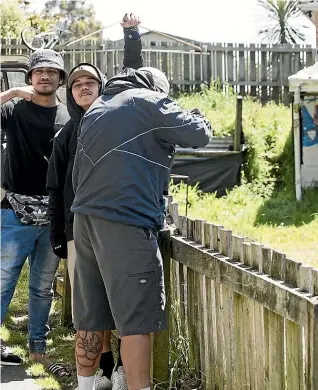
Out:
{"x": 30, "y": 117}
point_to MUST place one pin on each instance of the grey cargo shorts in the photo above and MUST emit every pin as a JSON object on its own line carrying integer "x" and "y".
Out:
{"x": 118, "y": 280}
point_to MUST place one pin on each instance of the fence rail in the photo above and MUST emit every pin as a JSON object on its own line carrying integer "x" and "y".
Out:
{"x": 250, "y": 314}
{"x": 255, "y": 69}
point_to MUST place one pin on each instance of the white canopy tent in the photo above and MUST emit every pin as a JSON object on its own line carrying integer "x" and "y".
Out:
{"x": 305, "y": 82}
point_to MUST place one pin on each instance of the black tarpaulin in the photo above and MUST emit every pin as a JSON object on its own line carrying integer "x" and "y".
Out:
{"x": 215, "y": 173}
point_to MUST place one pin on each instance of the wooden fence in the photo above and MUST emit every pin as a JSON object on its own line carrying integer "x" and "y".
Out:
{"x": 257, "y": 70}
{"x": 249, "y": 313}
{"x": 246, "y": 315}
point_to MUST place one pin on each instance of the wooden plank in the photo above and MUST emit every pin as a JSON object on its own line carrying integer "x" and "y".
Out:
{"x": 153, "y": 59}
{"x": 212, "y": 368}
{"x": 275, "y": 71}
{"x": 225, "y": 243}
{"x": 252, "y": 67}
{"x": 219, "y": 334}
{"x": 212, "y": 373}
{"x": 225, "y": 248}
{"x": 292, "y": 277}
{"x": 305, "y": 278}
{"x": 237, "y": 248}
{"x": 230, "y": 64}
{"x": 314, "y": 277}
{"x": 275, "y": 295}
{"x": 278, "y": 268}
{"x": 182, "y": 298}
{"x": 267, "y": 260}
{"x": 276, "y": 351}
{"x": 186, "y": 68}
{"x": 310, "y": 56}
{"x": 215, "y": 236}
{"x": 312, "y": 345}
{"x": 241, "y": 370}
{"x": 297, "y": 62}
{"x": 198, "y": 70}
{"x": 248, "y": 325}
{"x": 205, "y": 64}
{"x": 263, "y": 76}
{"x": 284, "y": 77}
{"x": 190, "y": 229}
{"x": 182, "y": 225}
{"x": 160, "y": 358}
{"x": 59, "y": 286}
{"x": 110, "y": 64}
{"x": 191, "y": 317}
{"x": 259, "y": 354}
{"x": 67, "y": 299}
{"x": 294, "y": 356}
{"x": 238, "y": 124}
{"x": 199, "y": 327}
{"x": 198, "y": 231}
{"x": 241, "y": 70}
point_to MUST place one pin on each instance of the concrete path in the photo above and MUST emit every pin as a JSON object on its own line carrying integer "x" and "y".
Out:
{"x": 16, "y": 378}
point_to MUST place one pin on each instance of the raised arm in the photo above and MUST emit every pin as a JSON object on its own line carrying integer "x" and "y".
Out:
{"x": 132, "y": 50}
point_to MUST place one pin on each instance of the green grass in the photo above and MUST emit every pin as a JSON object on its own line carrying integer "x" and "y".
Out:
{"x": 60, "y": 344}
{"x": 279, "y": 222}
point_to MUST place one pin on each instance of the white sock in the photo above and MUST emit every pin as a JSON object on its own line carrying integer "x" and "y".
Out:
{"x": 85, "y": 382}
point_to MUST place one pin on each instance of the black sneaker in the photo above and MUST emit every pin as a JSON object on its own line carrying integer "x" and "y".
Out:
{"x": 8, "y": 358}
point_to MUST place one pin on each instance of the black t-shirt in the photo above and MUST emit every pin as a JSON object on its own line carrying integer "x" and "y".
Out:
{"x": 29, "y": 130}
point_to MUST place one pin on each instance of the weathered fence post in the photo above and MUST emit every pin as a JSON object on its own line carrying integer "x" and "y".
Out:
{"x": 238, "y": 124}
{"x": 67, "y": 299}
{"x": 160, "y": 350}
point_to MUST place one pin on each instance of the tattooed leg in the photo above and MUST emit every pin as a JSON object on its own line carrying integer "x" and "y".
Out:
{"x": 88, "y": 351}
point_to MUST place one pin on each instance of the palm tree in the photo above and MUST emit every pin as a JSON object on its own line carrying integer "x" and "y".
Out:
{"x": 281, "y": 14}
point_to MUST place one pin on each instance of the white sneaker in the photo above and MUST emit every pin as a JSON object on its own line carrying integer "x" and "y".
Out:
{"x": 101, "y": 382}
{"x": 118, "y": 378}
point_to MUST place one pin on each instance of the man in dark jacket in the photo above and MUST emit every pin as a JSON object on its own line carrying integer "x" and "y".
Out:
{"x": 86, "y": 82}
{"x": 121, "y": 169}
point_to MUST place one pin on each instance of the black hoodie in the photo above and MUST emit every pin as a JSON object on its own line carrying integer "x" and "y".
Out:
{"x": 59, "y": 177}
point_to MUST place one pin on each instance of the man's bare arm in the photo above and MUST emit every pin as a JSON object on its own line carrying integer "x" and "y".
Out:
{"x": 20, "y": 92}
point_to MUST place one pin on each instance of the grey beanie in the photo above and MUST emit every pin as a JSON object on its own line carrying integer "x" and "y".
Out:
{"x": 159, "y": 78}
{"x": 46, "y": 58}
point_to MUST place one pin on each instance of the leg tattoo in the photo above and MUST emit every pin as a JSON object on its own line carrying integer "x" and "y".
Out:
{"x": 89, "y": 346}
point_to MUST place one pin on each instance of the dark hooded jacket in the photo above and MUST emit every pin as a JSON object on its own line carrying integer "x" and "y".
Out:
{"x": 125, "y": 150}
{"x": 59, "y": 177}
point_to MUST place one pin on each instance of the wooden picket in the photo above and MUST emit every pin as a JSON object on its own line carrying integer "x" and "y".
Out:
{"x": 251, "y": 313}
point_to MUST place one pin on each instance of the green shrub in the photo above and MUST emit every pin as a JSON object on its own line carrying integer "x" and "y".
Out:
{"x": 268, "y": 161}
